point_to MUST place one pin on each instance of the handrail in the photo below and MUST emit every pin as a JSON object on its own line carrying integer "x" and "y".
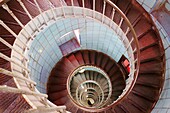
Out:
{"x": 3, "y": 56}
{"x": 47, "y": 109}
{"x": 6, "y": 72}
{"x": 20, "y": 91}
{"x": 136, "y": 42}
{"x": 11, "y": 47}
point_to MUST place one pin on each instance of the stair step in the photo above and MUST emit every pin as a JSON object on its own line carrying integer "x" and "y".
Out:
{"x": 83, "y": 76}
{"x": 57, "y": 95}
{"x": 57, "y": 81}
{"x": 150, "y": 95}
{"x": 17, "y": 106}
{"x": 4, "y": 78}
{"x": 6, "y": 99}
{"x": 56, "y": 88}
{"x": 99, "y": 6}
{"x": 119, "y": 109}
{"x": 118, "y": 88}
{"x": 91, "y": 75}
{"x": 148, "y": 80}
{"x": 143, "y": 26}
{"x": 148, "y": 39}
{"x": 73, "y": 60}
{"x": 31, "y": 7}
{"x": 61, "y": 101}
{"x": 109, "y": 10}
{"x": 117, "y": 92}
{"x": 43, "y": 4}
{"x": 109, "y": 111}
{"x": 104, "y": 62}
{"x": 88, "y": 4}
{"x": 74, "y": 109}
{"x": 151, "y": 52}
{"x": 79, "y": 79}
{"x": 129, "y": 106}
{"x": 144, "y": 103}
{"x": 99, "y": 59}
{"x": 68, "y": 64}
{"x": 75, "y": 2}
{"x": 68, "y": 104}
{"x": 152, "y": 66}
{"x": 9, "y": 21}
{"x": 109, "y": 65}
{"x": 86, "y": 57}
{"x": 79, "y": 58}
{"x": 80, "y": 111}
{"x": 116, "y": 76}
{"x": 18, "y": 11}
{"x": 60, "y": 73}
{"x": 92, "y": 57}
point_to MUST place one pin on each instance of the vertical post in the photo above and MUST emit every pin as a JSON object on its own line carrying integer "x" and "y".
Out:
{"x": 112, "y": 16}
{"x": 72, "y": 4}
{"x": 94, "y": 1}
{"x": 129, "y": 44}
{"x": 104, "y": 7}
{"x": 52, "y": 9}
{"x": 83, "y": 3}
{"x": 63, "y": 2}
{"x": 40, "y": 11}
{"x": 83, "y": 8}
{"x": 127, "y": 31}
{"x": 121, "y": 22}
{"x": 62, "y": 7}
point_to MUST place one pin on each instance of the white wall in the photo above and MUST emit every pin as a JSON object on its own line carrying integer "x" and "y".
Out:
{"x": 163, "y": 105}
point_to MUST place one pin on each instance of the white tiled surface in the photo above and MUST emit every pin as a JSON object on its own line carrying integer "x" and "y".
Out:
{"x": 45, "y": 53}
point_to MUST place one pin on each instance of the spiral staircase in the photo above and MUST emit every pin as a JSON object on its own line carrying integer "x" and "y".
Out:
{"x": 83, "y": 80}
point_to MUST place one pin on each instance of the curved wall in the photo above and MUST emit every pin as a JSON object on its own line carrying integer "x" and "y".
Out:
{"x": 44, "y": 51}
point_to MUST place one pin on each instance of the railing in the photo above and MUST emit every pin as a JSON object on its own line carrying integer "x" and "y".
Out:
{"x": 25, "y": 78}
{"x": 49, "y": 107}
{"x": 131, "y": 43}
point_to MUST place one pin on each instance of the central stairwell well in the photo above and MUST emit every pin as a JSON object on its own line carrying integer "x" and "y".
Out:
{"x": 136, "y": 92}
{"x": 79, "y": 72}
